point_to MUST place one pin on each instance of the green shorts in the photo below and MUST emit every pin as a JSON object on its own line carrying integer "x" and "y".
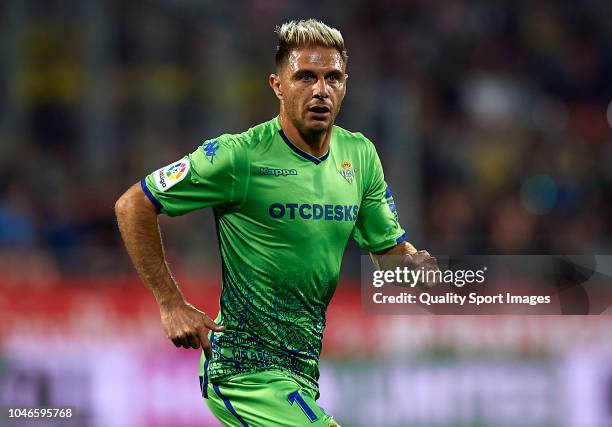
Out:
{"x": 269, "y": 398}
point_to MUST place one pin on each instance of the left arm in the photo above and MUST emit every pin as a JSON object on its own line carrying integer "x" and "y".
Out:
{"x": 378, "y": 230}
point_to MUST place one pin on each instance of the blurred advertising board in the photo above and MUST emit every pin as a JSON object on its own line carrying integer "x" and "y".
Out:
{"x": 100, "y": 349}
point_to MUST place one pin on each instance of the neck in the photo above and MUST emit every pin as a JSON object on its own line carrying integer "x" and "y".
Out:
{"x": 315, "y": 143}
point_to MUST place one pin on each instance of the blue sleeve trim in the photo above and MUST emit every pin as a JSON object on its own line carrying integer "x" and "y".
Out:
{"x": 387, "y": 244}
{"x": 229, "y": 406}
{"x": 150, "y": 195}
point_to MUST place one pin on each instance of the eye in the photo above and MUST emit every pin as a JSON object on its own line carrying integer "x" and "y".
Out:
{"x": 332, "y": 78}
{"x": 307, "y": 77}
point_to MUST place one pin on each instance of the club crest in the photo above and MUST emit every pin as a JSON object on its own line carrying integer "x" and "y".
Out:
{"x": 347, "y": 171}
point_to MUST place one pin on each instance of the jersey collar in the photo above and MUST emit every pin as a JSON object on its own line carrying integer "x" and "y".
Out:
{"x": 302, "y": 153}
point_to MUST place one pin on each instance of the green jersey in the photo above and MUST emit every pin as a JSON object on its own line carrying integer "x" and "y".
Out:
{"x": 284, "y": 218}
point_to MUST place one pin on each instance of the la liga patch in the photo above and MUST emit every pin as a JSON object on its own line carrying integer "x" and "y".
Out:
{"x": 171, "y": 175}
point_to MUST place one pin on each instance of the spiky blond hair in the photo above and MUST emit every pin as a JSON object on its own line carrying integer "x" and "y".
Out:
{"x": 309, "y": 33}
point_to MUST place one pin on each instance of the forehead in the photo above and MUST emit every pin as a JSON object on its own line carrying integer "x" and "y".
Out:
{"x": 314, "y": 58}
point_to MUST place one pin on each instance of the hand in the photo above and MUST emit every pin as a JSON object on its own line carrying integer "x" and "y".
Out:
{"x": 421, "y": 260}
{"x": 188, "y": 327}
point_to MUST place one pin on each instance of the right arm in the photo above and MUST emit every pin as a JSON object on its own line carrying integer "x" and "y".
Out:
{"x": 184, "y": 324}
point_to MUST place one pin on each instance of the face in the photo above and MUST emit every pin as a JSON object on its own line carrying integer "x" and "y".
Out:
{"x": 311, "y": 87}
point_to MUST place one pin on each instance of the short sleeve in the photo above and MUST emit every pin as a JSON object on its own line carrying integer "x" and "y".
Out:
{"x": 377, "y": 226}
{"x": 213, "y": 175}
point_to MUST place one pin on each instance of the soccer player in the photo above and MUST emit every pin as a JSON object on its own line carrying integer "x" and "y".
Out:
{"x": 287, "y": 195}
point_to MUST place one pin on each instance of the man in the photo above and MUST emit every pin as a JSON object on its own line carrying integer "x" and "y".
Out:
{"x": 287, "y": 195}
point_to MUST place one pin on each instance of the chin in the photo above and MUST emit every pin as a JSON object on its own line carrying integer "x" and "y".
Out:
{"x": 317, "y": 126}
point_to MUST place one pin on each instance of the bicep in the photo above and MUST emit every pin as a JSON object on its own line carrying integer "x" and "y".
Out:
{"x": 377, "y": 228}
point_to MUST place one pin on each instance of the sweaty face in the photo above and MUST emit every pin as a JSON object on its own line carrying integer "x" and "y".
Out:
{"x": 313, "y": 84}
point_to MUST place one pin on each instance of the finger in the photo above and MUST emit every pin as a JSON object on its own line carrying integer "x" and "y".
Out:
{"x": 207, "y": 348}
{"x": 194, "y": 341}
{"x": 182, "y": 341}
{"x": 210, "y": 324}
{"x": 185, "y": 343}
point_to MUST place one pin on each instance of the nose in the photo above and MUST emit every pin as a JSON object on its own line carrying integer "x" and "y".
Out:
{"x": 321, "y": 89}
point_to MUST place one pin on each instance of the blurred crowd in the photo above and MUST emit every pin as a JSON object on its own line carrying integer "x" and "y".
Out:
{"x": 508, "y": 105}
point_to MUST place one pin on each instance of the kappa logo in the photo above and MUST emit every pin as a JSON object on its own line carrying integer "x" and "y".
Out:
{"x": 347, "y": 171}
{"x": 170, "y": 175}
{"x": 210, "y": 150}
{"x": 276, "y": 171}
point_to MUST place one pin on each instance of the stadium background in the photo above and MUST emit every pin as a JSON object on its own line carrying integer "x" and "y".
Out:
{"x": 493, "y": 120}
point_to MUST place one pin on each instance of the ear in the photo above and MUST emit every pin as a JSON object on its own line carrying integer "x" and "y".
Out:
{"x": 275, "y": 84}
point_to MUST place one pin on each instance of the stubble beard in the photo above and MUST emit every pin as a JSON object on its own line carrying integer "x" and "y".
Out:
{"x": 309, "y": 132}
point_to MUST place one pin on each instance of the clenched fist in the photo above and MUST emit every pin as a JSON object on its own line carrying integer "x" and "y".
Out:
{"x": 406, "y": 256}
{"x": 187, "y": 327}
{"x": 421, "y": 260}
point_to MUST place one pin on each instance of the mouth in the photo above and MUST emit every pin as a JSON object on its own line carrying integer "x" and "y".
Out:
{"x": 319, "y": 109}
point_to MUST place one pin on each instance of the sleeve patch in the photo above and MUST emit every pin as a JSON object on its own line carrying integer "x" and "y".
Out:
{"x": 171, "y": 175}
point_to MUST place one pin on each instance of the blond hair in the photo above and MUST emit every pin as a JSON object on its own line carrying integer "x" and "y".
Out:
{"x": 309, "y": 33}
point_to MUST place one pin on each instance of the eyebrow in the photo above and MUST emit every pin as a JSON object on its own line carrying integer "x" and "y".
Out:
{"x": 335, "y": 73}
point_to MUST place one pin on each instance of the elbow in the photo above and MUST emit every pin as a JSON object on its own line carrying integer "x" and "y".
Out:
{"x": 134, "y": 200}
{"x": 127, "y": 201}
{"x": 122, "y": 204}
